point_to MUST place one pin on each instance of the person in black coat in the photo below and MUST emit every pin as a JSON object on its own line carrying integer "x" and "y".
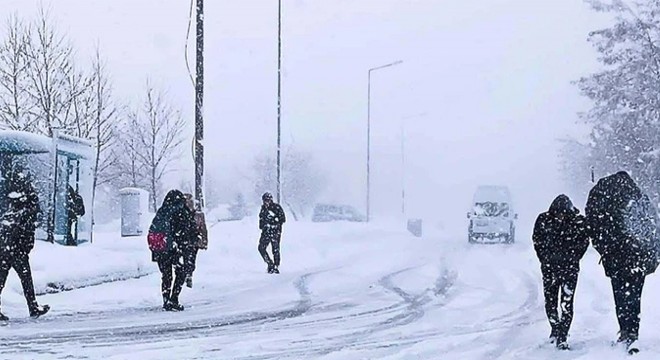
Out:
{"x": 19, "y": 211}
{"x": 624, "y": 223}
{"x": 75, "y": 208}
{"x": 171, "y": 232}
{"x": 271, "y": 219}
{"x": 560, "y": 241}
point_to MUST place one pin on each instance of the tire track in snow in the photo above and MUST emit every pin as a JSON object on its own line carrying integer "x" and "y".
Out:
{"x": 519, "y": 322}
{"x": 513, "y": 322}
{"x": 47, "y": 342}
{"x": 405, "y": 312}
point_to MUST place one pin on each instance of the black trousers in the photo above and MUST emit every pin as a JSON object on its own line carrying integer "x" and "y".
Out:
{"x": 628, "y": 301}
{"x": 190, "y": 260}
{"x": 559, "y": 284}
{"x": 272, "y": 238}
{"x": 70, "y": 226}
{"x": 20, "y": 262}
{"x": 173, "y": 275}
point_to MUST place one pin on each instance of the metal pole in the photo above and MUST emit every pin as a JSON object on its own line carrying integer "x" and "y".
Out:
{"x": 279, "y": 101}
{"x": 403, "y": 170}
{"x": 369, "y": 133}
{"x": 368, "y": 145}
{"x": 199, "y": 109}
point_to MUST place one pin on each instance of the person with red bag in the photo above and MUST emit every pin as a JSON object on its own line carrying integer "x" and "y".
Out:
{"x": 171, "y": 230}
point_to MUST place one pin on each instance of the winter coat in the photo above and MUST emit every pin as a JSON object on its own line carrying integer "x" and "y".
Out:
{"x": 168, "y": 225}
{"x": 184, "y": 229}
{"x": 271, "y": 218}
{"x": 75, "y": 204}
{"x": 560, "y": 236}
{"x": 19, "y": 212}
{"x": 623, "y": 225}
{"x": 202, "y": 231}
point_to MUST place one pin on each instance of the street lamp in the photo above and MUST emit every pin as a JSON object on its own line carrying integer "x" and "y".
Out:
{"x": 369, "y": 132}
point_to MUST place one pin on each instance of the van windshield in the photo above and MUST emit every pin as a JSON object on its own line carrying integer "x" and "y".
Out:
{"x": 491, "y": 209}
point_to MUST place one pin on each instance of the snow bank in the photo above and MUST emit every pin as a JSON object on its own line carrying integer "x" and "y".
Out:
{"x": 57, "y": 268}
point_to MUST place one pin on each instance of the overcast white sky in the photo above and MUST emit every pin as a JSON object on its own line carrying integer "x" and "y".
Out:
{"x": 493, "y": 78}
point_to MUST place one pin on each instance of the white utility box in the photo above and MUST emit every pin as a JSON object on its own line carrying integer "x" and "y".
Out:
{"x": 134, "y": 211}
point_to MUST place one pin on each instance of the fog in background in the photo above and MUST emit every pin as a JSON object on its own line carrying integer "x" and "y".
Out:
{"x": 484, "y": 88}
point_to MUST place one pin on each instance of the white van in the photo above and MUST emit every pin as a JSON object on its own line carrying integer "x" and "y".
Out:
{"x": 492, "y": 219}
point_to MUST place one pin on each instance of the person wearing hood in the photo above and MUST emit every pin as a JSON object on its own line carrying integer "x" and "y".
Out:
{"x": 200, "y": 240}
{"x": 19, "y": 212}
{"x": 271, "y": 219}
{"x": 560, "y": 241}
{"x": 623, "y": 222}
{"x": 172, "y": 230}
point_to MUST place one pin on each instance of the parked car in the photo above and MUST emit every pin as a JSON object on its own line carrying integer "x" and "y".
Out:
{"x": 332, "y": 212}
{"x": 492, "y": 217}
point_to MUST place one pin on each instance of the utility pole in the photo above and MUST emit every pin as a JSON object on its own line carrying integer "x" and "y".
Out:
{"x": 369, "y": 133}
{"x": 403, "y": 168}
{"x": 199, "y": 109}
{"x": 279, "y": 101}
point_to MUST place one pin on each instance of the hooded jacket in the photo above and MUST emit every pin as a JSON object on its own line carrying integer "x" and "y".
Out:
{"x": 560, "y": 236}
{"x": 623, "y": 225}
{"x": 271, "y": 218}
{"x": 171, "y": 224}
{"x": 19, "y": 212}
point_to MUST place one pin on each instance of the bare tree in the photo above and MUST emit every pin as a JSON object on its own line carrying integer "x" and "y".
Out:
{"x": 50, "y": 73}
{"x": 16, "y": 106}
{"x": 92, "y": 113}
{"x": 302, "y": 182}
{"x": 154, "y": 136}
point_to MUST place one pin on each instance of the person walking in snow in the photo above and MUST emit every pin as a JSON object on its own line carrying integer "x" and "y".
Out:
{"x": 199, "y": 241}
{"x": 19, "y": 211}
{"x": 623, "y": 222}
{"x": 560, "y": 241}
{"x": 172, "y": 231}
{"x": 271, "y": 219}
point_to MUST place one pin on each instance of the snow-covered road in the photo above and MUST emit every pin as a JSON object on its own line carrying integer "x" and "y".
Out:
{"x": 346, "y": 292}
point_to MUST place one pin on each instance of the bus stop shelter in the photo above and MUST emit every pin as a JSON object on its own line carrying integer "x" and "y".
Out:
{"x": 55, "y": 163}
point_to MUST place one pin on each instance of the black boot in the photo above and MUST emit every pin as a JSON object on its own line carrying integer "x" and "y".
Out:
{"x": 174, "y": 304}
{"x": 37, "y": 311}
{"x": 562, "y": 344}
{"x": 275, "y": 270}
{"x": 553, "y": 335}
{"x": 166, "y": 303}
{"x": 271, "y": 267}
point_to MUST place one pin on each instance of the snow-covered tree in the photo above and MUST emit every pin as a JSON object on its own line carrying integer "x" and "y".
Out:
{"x": 50, "y": 71}
{"x": 16, "y": 104}
{"x": 625, "y": 116}
{"x": 150, "y": 141}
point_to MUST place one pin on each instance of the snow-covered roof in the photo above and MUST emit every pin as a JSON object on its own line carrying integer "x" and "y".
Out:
{"x": 491, "y": 193}
{"x": 131, "y": 190}
{"x": 75, "y": 147}
{"x": 21, "y": 142}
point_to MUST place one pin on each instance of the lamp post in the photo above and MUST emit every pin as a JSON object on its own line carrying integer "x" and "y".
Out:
{"x": 369, "y": 132}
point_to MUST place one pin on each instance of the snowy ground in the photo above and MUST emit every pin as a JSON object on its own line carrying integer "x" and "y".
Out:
{"x": 347, "y": 291}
